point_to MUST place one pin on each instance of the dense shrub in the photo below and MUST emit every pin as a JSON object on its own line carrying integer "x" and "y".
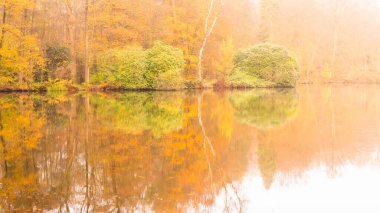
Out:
{"x": 164, "y": 66}
{"x": 264, "y": 65}
{"x": 56, "y": 85}
{"x": 131, "y": 68}
{"x": 122, "y": 67}
{"x": 57, "y": 59}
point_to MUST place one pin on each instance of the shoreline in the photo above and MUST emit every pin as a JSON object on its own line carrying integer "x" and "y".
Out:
{"x": 110, "y": 88}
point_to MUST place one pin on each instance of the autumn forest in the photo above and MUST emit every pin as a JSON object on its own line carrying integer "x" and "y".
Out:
{"x": 74, "y": 40}
{"x": 190, "y": 106}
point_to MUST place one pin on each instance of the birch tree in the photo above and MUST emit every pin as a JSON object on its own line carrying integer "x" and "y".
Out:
{"x": 208, "y": 31}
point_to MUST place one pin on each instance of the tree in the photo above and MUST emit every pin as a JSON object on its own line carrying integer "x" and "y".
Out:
{"x": 208, "y": 30}
{"x": 71, "y": 26}
{"x": 20, "y": 53}
{"x": 86, "y": 48}
{"x": 56, "y": 57}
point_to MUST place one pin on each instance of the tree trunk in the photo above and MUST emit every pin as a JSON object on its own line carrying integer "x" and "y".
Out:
{"x": 3, "y": 29}
{"x": 86, "y": 67}
{"x": 208, "y": 32}
{"x": 201, "y": 51}
{"x": 71, "y": 28}
{"x": 22, "y": 53}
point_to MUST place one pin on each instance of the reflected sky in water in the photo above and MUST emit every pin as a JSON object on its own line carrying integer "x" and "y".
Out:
{"x": 309, "y": 149}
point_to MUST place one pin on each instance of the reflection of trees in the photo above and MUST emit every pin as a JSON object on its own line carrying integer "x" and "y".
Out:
{"x": 265, "y": 108}
{"x": 319, "y": 136}
{"x": 266, "y": 160}
{"x": 120, "y": 152}
{"x": 134, "y": 113}
{"x": 173, "y": 171}
{"x": 19, "y": 140}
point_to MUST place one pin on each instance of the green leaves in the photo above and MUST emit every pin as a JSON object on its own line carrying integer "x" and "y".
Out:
{"x": 57, "y": 56}
{"x": 164, "y": 65}
{"x": 264, "y": 65}
{"x": 123, "y": 67}
{"x": 132, "y": 68}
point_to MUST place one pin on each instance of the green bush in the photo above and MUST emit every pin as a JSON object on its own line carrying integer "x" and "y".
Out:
{"x": 160, "y": 67}
{"x": 56, "y": 85}
{"x": 171, "y": 79}
{"x": 38, "y": 86}
{"x": 57, "y": 56}
{"x": 164, "y": 66}
{"x": 264, "y": 65}
{"x": 122, "y": 67}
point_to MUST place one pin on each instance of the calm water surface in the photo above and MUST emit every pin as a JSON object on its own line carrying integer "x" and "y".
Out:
{"x": 311, "y": 149}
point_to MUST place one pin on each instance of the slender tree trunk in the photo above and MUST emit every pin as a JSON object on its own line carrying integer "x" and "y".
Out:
{"x": 3, "y": 29}
{"x": 208, "y": 32}
{"x": 22, "y": 53}
{"x": 94, "y": 59}
{"x": 71, "y": 28}
{"x": 86, "y": 67}
{"x": 211, "y": 8}
{"x": 32, "y": 19}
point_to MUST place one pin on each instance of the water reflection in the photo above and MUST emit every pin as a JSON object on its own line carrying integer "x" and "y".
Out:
{"x": 265, "y": 108}
{"x": 134, "y": 113}
{"x": 116, "y": 152}
{"x": 175, "y": 152}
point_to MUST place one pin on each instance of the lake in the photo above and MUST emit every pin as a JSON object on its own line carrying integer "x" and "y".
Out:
{"x": 309, "y": 149}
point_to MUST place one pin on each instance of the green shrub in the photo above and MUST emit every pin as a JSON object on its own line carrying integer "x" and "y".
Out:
{"x": 264, "y": 65}
{"x": 164, "y": 67}
{"x": 57, "y": 85}
{"x": 56, "y": 57}
{"x": 131, "y": 68}
{"x": 122, "y": 67}
{"x": 171, "y": 79}
{"x": 38, "y": 86}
